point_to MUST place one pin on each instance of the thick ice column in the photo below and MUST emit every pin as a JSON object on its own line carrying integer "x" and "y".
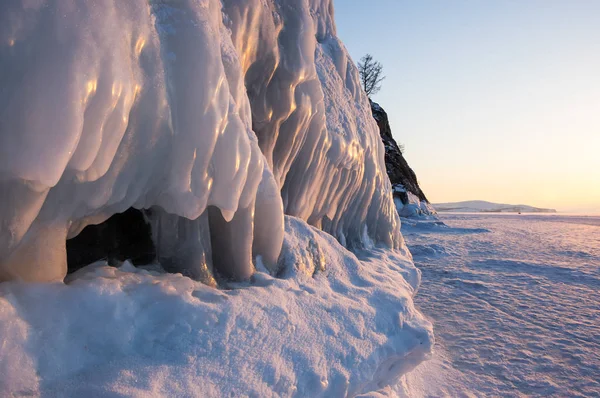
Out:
{"x": 20, "y": 204}
{"x": 182, "y": 245}
{"x": 40, "y": 256}
{"x": 268, "y": 222}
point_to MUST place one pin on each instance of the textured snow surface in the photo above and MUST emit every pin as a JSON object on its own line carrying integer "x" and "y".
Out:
{"x": 345, "y": 330}
{"x": 515, "y": 304}
{"x": 202, "y": 110}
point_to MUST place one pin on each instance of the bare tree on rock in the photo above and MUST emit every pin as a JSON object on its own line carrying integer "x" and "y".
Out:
{"x": 371, "y": 74}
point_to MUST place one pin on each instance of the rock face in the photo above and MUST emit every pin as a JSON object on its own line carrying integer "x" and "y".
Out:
{"x": 404, "y": 180}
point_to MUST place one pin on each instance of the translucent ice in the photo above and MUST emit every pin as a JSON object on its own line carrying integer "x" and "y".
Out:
{"x": 203, "y": 111}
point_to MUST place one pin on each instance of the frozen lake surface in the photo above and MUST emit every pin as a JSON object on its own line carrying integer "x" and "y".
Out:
{"x": 515, "y": 302}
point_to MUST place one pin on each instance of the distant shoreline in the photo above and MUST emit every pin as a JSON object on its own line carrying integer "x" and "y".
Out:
{"x": 546, "y": 211}
{"x": 480, "y": 206}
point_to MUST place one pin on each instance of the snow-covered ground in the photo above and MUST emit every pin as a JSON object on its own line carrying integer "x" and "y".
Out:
{"x": 515, "y": 304}
{"x": 332, "y": 324}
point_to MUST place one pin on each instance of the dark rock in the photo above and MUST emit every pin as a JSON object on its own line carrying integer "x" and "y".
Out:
{"x": 402, "y": 177}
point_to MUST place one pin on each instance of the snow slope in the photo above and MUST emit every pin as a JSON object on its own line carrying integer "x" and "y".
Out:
{"x": 515, "y": 305}
{"x": 333, "y": 324}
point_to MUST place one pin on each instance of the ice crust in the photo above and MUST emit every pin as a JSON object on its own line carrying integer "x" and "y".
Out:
{"x": 219, "y": 116}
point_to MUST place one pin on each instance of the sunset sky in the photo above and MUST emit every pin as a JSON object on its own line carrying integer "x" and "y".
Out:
{"x": 497, "y": 101}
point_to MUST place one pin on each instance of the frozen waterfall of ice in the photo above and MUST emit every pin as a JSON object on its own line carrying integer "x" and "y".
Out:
{"x": 234, "y": 124}
{"x": 221, "y": 116}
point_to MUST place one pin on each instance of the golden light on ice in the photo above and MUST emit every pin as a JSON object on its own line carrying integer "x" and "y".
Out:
{"x": 139, "y": 45}
{"x": 136, "y": 91}
{"x": 90, "y": 89}
{"x": 91, "y": 86}
{"x": 117, "y": 88}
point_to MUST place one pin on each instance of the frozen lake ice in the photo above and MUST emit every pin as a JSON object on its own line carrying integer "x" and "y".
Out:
{"x": 515, "y": 304}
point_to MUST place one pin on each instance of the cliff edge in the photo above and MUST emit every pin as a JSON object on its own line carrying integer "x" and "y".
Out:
{"x": 409, "y": 198}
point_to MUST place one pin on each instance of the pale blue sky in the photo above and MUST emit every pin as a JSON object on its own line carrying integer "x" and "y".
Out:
{"x": 495, "y": 100}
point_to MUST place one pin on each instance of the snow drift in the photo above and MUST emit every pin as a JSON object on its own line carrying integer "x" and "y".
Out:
{"x": 185, "y": 107}
{"x": 132, "y": 332}
{"x": 240, "y": 129}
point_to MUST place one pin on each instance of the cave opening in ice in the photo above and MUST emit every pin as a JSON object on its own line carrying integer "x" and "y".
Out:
{"x": 194, "y": 248}
{"x": 124, "y": 236}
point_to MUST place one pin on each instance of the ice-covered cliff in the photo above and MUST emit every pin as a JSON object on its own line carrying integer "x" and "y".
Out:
{"x": 239, "y": 129}
{"x": 202, "y": 111}
{"x": 408, "y": 196}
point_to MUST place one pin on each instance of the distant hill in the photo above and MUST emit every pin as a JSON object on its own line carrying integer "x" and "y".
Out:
{"x": 476, "y": 206}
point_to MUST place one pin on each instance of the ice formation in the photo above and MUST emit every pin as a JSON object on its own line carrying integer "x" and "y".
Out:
{"x": 232, "y": 125}
{"x": 219, "y": 116}
{"x": 414, "y": 207}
